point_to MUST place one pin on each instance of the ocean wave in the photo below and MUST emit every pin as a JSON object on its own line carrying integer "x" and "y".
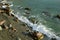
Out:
{"x": 41, "y": 28}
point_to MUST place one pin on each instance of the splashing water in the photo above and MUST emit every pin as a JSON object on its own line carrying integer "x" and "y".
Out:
{"x": 41, "y": 28}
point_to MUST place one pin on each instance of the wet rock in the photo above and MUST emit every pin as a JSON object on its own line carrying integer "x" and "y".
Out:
{"x": 12, "y": 15}
{"x": 35, "y": 35}
{"x": 15, "y": 19}
{"x": 27, "y": 9}
{"x": 57, "y": 16}
{"x": 27, "y": 13}
{"x": 53, "y": 39}
{"x": 40, "y": 35}
{"x": 45, "y": 13}
{"x": 19, "y": 7}
{"x": 24, "y": 24}
{"x": 33, "y": 20}
{"x": 3, "y": 26}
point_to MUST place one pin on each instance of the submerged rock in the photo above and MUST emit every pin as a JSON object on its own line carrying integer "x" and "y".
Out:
{"x": 27, "y": 9}
{"x": 33, "y": 20}
{"x": 45, "y": 13}
{"x": 57, "y": 16}
{"x": 53, "y": 39}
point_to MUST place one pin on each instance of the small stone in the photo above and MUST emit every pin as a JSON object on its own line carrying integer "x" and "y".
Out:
{"x": 27, "y": 9}
{"x": 0, "y": 28}
{"x": 2, "y": 22}
{"x": 18, "y": 38}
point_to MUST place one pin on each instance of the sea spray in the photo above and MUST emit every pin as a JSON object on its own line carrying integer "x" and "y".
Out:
{"x": 41, "y": 28}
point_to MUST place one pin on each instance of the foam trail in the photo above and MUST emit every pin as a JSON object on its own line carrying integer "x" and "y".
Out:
{"x": 41, "y": 28}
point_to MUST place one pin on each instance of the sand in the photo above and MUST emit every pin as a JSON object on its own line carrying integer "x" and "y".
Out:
{"x": 7, "y": 34}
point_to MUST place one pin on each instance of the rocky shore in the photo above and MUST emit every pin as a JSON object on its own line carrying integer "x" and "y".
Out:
{"x": 7, "y": 34}
{"x": 12, "y": 28}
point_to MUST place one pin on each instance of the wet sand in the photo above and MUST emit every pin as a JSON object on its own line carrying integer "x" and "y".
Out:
{"x": 20, "y": 26}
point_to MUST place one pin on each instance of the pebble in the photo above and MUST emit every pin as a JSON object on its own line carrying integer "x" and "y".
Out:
{"x": 0, "y": 28}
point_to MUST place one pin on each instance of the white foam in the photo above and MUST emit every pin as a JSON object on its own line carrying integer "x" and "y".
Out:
{"x": 41, "y": 28}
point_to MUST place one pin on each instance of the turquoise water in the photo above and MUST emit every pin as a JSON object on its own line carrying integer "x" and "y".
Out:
{"x": 37, "y": 6}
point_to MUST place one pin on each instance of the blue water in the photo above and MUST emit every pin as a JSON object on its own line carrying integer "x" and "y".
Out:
{"x": 37, "y": 6}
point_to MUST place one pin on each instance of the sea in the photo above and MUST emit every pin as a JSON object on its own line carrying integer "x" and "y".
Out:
{"x": 48, "y": 24}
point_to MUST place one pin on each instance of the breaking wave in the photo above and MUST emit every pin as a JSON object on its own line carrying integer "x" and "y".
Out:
{"x": 41, "y": 28}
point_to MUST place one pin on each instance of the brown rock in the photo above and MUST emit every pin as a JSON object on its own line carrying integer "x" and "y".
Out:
{"x": 2, "y": 22}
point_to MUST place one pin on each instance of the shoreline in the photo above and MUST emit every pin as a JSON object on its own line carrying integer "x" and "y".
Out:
{"x": 35, "y": 29}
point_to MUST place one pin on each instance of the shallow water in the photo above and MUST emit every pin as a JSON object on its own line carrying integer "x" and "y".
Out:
{"x": 37, "y": 6}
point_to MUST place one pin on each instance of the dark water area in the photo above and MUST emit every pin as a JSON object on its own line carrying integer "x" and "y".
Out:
{"x": 37, "y": 6}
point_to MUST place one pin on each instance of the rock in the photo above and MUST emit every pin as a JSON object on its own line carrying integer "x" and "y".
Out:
{"x": 3, "y": 26}
{"x": 12, "y": 36}
{"x": 2, "y": 22}
{"x": 0, "y": 28}
{"x": 57, "y": 16}
{"x": 10, "y": 25}
{"x": 40, "y": 35}
{"x": 53, "y": 39}
{"x": 33, "y": 20}
{"x": 18, "y": 38}
{"x": 12, "y": 29}
{"x": 15, "y": 19}
{"x": 6, "y": 27}
{"x": 27, "y": 9}
{"x": 46, "y": 13}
